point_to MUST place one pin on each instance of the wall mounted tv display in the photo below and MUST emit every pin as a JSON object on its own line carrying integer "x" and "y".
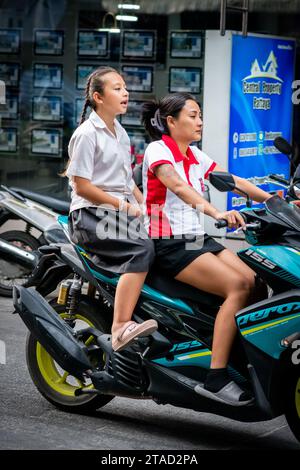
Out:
{"x": 47, "y": 76}
{"x": 186, "y": 44}
{"x": 138, "y": 44}
{"x": 186, "y": 79}
{"x": 82, "y": 73}
{"x": 133, "y": 114}
{"x": 46, "y": 108}
{"x": 138, "y": 79}
{"x": 48, "y": 42}
{"x": 10, "y": 40}
{"x": 11, "y": 108}
{"x": 46, "y": 142}
{"x": 92, "y": 43}
{"x": 10, "y": 73}
{"x": 8, "y": 139}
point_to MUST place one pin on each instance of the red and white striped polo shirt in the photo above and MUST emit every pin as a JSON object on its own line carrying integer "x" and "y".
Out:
{"x": 166, "y": 213}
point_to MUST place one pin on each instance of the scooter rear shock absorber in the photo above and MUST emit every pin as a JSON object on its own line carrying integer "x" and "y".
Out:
{"x": 73, "y": 300}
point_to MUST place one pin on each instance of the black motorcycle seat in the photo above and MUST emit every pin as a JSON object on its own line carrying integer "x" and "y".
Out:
{"x": 57, "y": 205}
{"x": 165, "y": 285}
{"x": 168, "y": 286}
{"x": 176, "y": 289}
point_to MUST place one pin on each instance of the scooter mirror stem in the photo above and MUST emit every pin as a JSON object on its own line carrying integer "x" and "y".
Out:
{"x": 248, "y": 200}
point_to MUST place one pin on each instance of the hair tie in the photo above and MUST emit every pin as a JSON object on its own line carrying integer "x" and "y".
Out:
{"x": 156, "y": 121}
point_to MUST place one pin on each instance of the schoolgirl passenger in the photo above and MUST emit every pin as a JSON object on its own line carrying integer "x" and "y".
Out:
{"x": 100, "y": 174}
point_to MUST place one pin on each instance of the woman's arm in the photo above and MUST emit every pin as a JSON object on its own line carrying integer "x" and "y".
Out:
{"x": 254, "y": 192}
{"x": 172, "y": 180}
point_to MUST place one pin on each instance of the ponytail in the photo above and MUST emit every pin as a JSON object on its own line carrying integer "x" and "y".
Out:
{"x": 87, "y": 100}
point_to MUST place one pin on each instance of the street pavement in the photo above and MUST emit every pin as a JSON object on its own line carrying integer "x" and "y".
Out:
{"x": 28, "y": 421}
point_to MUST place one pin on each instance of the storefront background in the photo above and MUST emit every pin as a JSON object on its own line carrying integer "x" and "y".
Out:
{"x": 44, "y": 74}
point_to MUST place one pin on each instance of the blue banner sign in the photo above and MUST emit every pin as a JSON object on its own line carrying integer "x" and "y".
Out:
{"x": 260, "y": 109}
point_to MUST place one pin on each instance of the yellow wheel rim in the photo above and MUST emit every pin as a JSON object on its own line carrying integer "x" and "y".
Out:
{"x": 297, "y": 397}
{"x": 54, "y": 376}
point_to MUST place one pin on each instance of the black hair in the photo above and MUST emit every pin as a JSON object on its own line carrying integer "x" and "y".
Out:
{"x": 170, "y": 105}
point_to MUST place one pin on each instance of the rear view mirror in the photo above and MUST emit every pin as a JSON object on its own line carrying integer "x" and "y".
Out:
{"x": 222, "y": 181}
{"x": 283, "y": 146}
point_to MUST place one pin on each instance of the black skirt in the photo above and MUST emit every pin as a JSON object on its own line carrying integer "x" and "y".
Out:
{"x": 175, "y": 254}
{"x": 117, "y": 242}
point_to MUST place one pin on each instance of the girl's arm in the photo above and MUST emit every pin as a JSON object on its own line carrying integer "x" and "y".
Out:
{"x": 254, "y": 192}
{"x": 172, "y": 180}
{"x": 84, "y": 188}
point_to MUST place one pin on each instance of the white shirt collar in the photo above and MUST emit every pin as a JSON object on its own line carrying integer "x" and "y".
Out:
{"x": 98, "y": 122}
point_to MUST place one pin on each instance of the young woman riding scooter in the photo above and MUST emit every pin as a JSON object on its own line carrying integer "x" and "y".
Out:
{"x": 173, "y": 175}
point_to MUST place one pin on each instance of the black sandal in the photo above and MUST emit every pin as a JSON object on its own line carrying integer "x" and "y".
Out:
{"x": 230, "y": 394}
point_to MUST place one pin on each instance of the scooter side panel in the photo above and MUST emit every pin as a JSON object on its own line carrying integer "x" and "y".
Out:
{"x": 266, "y": 323}
{"x": 190, "y": 353}
{"x": 280, "y": 262}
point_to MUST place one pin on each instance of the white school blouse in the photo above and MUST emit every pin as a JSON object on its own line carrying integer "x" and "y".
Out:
{"x": 104, "y": 159}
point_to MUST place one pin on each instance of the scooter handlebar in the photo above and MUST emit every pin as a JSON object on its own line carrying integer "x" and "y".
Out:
{"x": 221, "y": 223}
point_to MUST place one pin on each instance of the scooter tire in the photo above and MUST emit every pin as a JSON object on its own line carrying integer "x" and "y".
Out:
{"x": 45, "y": 373}
{"x": 292, "y": 401}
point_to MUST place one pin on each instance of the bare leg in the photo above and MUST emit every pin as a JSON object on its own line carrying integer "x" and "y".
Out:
{"x": 234, "y": 262}
{"x": 211, "y": 274}
{"x": 127, "y": 294}
{"x": 259, "y": 289}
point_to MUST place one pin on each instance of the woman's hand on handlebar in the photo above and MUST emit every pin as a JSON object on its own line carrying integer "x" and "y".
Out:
{"x": 234, "y": 218}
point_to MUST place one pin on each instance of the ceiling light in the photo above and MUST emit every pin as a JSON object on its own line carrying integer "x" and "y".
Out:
{"x": 126, "y": 18}
{"x": 128, "y": 6}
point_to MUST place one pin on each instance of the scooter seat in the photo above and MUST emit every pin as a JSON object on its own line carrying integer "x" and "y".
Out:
{"x": 168, "y": 286}
{"x": 180, "y": 290}
{"x": 57, "y": 205}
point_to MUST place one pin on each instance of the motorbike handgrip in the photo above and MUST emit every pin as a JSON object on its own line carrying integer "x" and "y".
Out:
{"x": 221, "y": 223}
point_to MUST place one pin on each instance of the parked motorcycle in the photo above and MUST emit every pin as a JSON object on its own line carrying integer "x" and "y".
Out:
{"x": 69, "y": 353}
{"x": 18, "y": 255}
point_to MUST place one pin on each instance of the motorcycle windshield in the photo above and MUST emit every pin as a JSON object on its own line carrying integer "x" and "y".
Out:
{"x": 285, "y": 212}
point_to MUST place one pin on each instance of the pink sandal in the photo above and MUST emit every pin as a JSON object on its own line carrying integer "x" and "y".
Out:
{"x": 131, "y": 330}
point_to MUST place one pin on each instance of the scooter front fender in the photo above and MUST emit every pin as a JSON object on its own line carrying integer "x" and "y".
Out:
{"x": 51, "y": 331}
